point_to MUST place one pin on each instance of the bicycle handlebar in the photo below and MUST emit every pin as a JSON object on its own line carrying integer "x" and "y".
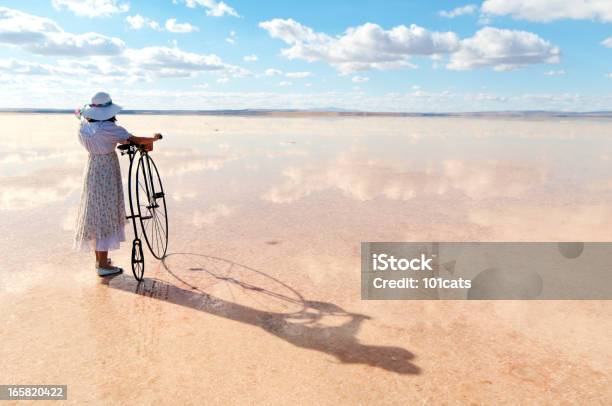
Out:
{"x": 125, "y": 147}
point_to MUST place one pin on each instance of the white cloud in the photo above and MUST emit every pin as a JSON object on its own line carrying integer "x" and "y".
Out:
{"x": 15, "y": 66}
{"x": 250, "y": 58}
{"x": 607, "y": 42}
{"x": 486, "y": 97}
{"x": 291, "y": 31}
{"x": 273, "y": 72}
{"x": 44, "y": 36}
{"x": 99, "y": 70}
{"x": 179, "y": 28}
{"x": 213, "y": 8}
{"x": 223, "y": 80}
{"x": 154, "y": 25}
{"x": 92, "y": 8}
{"x": 503, "y": 50}
{"x": 360, "y": 79}
{"x": 298, "y": 75}
{"x": 559, "y": 72}
{"x": 231, "y": 38}
{"x": 19, "y": 28}
{"x": 78, "y": 45}
{"x": 292, "y": 75}
{"x": 549, "y": 10}
{"x": 285, "y": 83}
{"x": 144, "y": 64}
{"x": 237, "y": 71}
{"x": 360, "y": 48}
{"x": 136, "y": 22}
{"x": 164, "y": 59}
{"x": 369, "y": 46}
{"x": 459, "y": 11}
{"x": 220, "y": 9}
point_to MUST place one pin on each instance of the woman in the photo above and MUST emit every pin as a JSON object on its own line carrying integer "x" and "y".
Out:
{"x": 101, "y": 215}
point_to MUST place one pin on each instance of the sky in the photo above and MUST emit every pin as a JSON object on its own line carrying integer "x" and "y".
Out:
{"x": 392, "y": 55}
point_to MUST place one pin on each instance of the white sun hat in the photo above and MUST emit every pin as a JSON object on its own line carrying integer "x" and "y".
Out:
{"x": 101, "y": 107}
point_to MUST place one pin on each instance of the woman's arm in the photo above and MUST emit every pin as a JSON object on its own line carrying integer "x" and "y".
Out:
{"x": 144, "y": 140}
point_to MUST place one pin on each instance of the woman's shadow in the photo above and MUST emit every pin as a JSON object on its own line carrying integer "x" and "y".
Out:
{"x": 304, "y": 327}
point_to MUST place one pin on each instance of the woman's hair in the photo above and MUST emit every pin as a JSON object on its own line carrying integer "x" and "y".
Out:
{"x": 112, "y": 119}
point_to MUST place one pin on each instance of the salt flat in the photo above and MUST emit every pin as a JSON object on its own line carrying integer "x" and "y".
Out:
{"x": 259, "y": 299}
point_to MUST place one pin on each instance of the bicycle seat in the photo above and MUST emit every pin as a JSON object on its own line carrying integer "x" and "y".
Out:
{"x": 124, "y": 147}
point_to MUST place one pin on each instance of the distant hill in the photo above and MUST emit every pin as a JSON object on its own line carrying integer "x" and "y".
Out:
{"x": 332, "y": 111}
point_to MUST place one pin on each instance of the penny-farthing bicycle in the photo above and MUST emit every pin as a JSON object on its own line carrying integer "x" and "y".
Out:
{"x": 147, "y": 206}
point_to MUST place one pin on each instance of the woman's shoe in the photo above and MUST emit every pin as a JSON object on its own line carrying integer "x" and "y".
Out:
{"x": 108, "y": 272}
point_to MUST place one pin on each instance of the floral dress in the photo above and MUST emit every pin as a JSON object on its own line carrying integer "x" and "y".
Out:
{"x": 101, "y": 215}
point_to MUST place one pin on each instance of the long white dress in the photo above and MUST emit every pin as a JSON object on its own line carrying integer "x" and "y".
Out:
{"x": 101, "y": 216}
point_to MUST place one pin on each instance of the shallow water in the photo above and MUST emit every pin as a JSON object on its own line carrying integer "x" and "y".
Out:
{"x": 266, "y": 216}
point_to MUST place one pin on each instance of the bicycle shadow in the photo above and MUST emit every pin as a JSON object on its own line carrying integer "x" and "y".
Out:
{"x": 303, "y": 328}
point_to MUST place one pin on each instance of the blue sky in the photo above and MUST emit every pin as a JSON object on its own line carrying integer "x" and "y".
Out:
{"x": 365, "y": 55}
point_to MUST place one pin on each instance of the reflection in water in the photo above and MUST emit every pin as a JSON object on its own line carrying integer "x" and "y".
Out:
{"x": 37, "y": 190}
{"x": 554, "y": 220}
{"x": 178, "y": 161}
{"x": 365, "y": 179}
{"x": 211, "y": 215}
{"x": 303, "y": 323}
{"x": 177, "y": 166}
{"x": 32, "y": 156}
{"x": 423, "y": 178}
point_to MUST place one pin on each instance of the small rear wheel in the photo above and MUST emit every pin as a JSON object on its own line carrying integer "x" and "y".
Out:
{"x": 138, "y": 265}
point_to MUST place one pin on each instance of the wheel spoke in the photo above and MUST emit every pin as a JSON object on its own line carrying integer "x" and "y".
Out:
{"x": 162, "y": 234}
{"x": 163, "y": 238}
{"x": 161, "y": 211}
{"x": 143, "y": 189}
{"x": 146, "y": 225}
{"x": 158, "y": 221}
{"x": 156, "y": 235}
{"x": 156, "y": 232}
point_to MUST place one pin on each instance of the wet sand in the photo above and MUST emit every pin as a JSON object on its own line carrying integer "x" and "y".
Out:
{"x": 259, "y": 299}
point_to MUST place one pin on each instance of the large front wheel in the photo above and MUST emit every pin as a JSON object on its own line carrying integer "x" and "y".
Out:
{"x": 151, "y": 202}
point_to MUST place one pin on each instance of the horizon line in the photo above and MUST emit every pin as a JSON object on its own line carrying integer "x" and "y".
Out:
{"x": 322, "y": 111}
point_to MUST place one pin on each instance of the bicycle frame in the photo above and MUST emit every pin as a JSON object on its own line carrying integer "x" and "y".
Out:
{"x": 150, "y": 201}
{"x": 131, "y": 151}
{"x": 137, "y": 256}
{"x": 150, "y": 180}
